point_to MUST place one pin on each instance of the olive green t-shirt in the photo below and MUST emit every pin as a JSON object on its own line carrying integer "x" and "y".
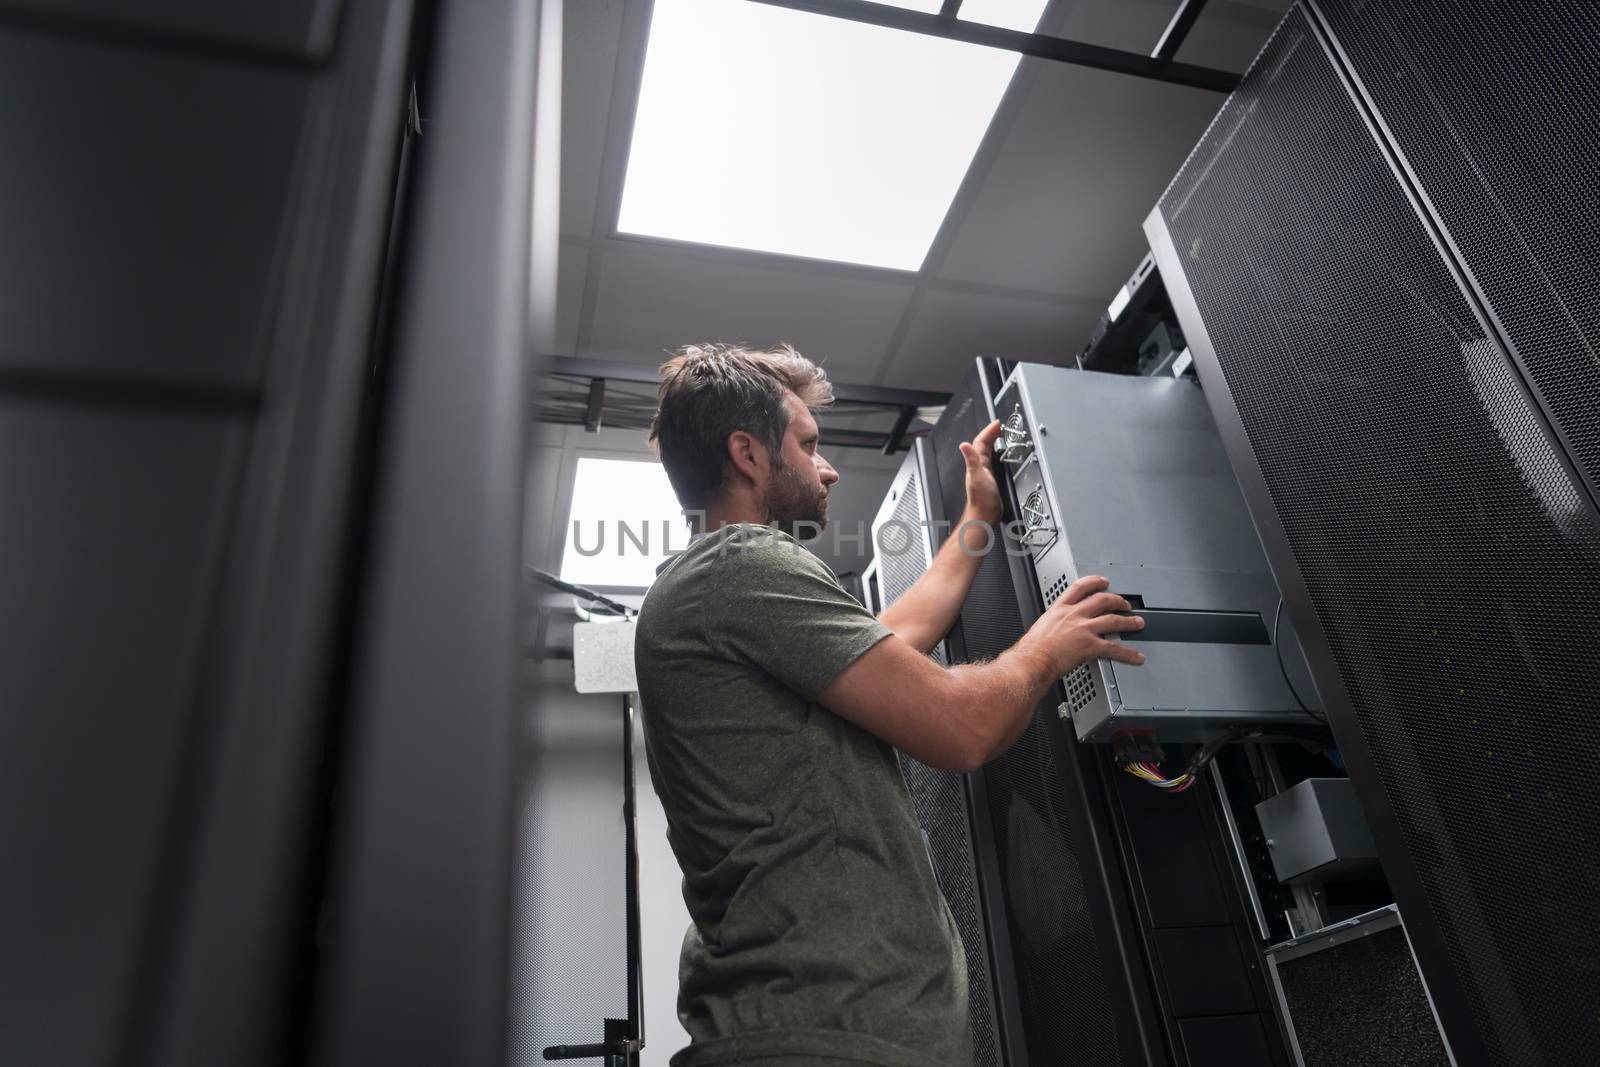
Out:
{"x": 819, "y": 932}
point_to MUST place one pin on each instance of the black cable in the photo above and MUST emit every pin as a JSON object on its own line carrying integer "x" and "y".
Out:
{"x": 579, "y": 591}
{"x": 1209, "y": 750}
{"x": 1277, "y": 650}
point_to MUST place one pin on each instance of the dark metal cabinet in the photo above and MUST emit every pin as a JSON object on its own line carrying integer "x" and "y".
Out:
{"x": 1385, "y": 276}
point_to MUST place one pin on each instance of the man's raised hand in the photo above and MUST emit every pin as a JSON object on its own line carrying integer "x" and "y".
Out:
{"x": 983, "y": 492}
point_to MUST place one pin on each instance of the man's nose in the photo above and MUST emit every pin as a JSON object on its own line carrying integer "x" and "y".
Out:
{"x": 829, "y": 475}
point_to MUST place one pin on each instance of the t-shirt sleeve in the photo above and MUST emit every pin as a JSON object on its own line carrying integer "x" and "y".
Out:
{"x": 781, "y": 609}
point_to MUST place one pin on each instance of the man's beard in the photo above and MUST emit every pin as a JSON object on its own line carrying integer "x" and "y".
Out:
{"x": 795, "y": 507}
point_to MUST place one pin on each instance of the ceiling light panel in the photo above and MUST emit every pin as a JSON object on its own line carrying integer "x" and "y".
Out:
{"x": 782, "y": 131}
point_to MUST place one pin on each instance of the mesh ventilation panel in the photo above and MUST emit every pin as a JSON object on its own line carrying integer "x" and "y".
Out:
{"x": 1511, "y": 173}
{"x": 1449, "y": 554}
{"x": 940, "y": 797}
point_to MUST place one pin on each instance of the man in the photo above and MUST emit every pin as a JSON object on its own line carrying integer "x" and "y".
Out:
{"x": 772, "y": 705}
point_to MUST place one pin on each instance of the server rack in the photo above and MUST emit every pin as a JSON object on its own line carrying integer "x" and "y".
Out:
{"x": 1386, "y": 292}
{"x": 904, "y": 540}
{"x": 1182, "y": 918}
{"x": 260, "y": 675}
{"x": 1083, "y": 987}
{"x": 1116, "y": 923}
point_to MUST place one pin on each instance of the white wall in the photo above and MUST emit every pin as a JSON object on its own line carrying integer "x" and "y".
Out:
{"x": 569, "y": 945}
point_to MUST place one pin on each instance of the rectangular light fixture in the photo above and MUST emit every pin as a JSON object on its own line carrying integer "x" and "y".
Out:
{"x": 781, "y": 131}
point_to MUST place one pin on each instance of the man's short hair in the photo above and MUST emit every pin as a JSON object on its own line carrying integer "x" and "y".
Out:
{"x": 709, "y": 391}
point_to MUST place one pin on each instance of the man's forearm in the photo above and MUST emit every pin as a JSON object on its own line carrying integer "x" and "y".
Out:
{"x": 923, "y": 614}
{"x": 1004, "y": 692}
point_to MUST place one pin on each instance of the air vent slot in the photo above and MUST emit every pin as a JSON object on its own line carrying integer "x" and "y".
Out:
{"x": 1080, "y": 689}
{"x": 1016, "y": 443}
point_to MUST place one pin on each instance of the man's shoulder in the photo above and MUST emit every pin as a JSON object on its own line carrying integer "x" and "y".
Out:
{"x": 739, "y": 550}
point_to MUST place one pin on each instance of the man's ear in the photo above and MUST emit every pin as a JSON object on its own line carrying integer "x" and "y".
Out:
{"x": 748, "y": 457}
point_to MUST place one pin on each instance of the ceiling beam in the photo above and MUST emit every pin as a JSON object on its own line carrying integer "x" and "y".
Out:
{"x": 871, "y": 439}
{"x": 1028, "y": 44}
{"x": 897, "y": 435}
{"x": 622, "y": 371}
{"x": 1178, "y": 29}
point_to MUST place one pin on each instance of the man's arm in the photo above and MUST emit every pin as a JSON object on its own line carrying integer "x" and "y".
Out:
{"x": 923, "y": 614}
{"x": 958, "y": 719}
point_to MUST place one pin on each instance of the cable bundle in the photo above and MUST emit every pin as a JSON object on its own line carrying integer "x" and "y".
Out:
{"x": 1151, "y": 772}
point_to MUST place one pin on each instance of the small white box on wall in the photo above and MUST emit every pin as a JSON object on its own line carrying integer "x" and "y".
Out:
{"x": 602, "y": 657}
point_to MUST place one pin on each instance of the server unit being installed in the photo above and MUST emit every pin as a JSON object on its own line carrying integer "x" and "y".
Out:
{"x": 1126, "y": 477}
{"x": 1382, "y": 256}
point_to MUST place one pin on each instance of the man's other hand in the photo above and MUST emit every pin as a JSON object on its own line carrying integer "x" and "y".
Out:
{"x": 983, "y": 492}
{"x": 1081, "y": 626}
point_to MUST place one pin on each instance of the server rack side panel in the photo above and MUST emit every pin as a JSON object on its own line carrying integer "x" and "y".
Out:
{"x": 1521, "y": 235}
{"x": 413, "y": 965}
{"x": 1401, "y": 473}
{"x": 189, "y": 282}
{"x": 903, "y": 546}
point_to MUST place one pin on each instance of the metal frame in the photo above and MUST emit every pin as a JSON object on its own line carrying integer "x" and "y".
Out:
{"x": 999, "y": 964}
{"x": 599, "y": 371}
{"x": 1426, "y": 938}
{"x": 1042, "y": 46}
{"x": 1177, "y": 30}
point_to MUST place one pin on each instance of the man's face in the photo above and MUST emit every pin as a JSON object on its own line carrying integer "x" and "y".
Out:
{"x": 797, "y": 495}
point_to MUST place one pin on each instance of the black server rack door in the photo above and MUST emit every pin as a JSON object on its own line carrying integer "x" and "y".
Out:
{"x": 1424, "y": 520}
{"x": 1509, "y": 175}
{"x": 1071, "y": 994}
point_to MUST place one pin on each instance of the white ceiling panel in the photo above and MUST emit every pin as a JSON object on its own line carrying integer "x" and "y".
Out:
{"x": 590, "y": 34}
{"x": 875, "y": 127}
{"x": 655, "y": 299}
{"x": 952, "y": 329}
{"x": 1086, "y": 160}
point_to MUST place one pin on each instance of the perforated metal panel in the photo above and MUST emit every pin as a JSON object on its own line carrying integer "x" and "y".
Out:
{"x": 1080, "y": 683}
{"x": 1449, "y": 552}
{"x": 1080, "y": 689}
{"x": 900, "y": 537}
{"x": 1510, "y": 164}
{"x": 903, "y": 554}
